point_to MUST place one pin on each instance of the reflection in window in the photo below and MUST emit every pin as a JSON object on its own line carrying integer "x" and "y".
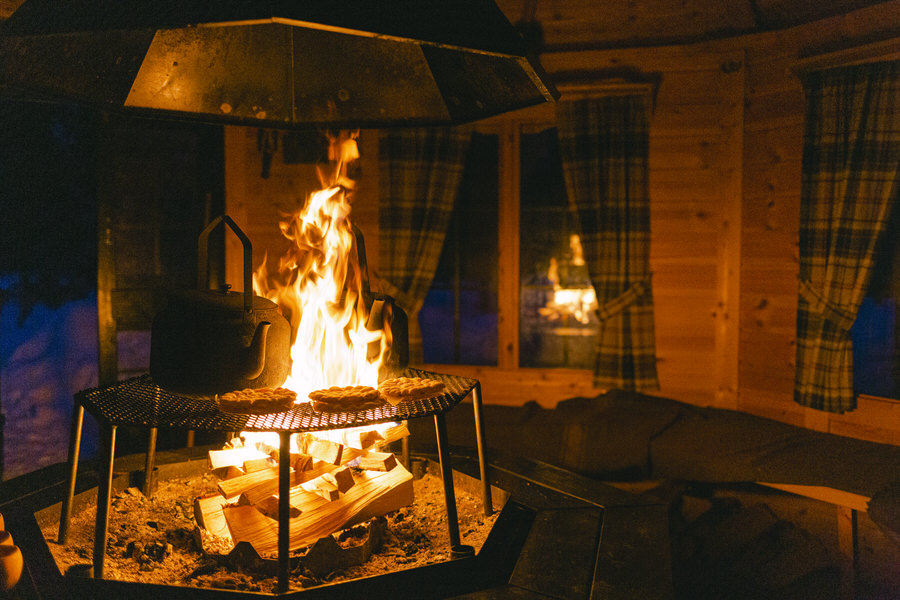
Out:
{"x": 459, "y": 317}
{"x": 557, "y": 314}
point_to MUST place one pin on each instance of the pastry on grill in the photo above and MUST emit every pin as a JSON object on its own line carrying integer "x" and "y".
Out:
{"x": 348, "y": 398}
{"x": 260, "y": 401}
{"x": 399, "y": 389}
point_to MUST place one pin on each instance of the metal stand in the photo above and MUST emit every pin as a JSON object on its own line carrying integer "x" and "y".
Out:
{"x": 104, "y": 491}
{"x": 457, "y": 549}
{"x": 74, "y": 451}
{"x": 486, "y": 499}
{"x": 170, "y": 411}
{"x": 284, "y": 510}
{"x": 150, "y": 464}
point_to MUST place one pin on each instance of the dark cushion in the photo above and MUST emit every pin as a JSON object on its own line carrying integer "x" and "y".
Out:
{"x": 849, "y": 464}
{"x": 605, "y": 437}
{"x": 716, "y": 445}
{"x": 609, "y": 436}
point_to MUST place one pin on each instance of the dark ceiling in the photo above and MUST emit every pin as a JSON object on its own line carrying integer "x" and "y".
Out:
{"x": 589, "y": 24}
{"x": 598, "y": 24}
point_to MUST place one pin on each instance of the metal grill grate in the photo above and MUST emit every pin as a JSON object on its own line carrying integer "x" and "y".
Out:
{"x": 140, "y": 402}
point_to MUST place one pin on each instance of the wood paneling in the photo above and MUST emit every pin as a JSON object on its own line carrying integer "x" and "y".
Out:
{"x": 725, "y": 154}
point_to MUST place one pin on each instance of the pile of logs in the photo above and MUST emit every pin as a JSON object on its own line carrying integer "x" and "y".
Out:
{"x": 338, "y": 478}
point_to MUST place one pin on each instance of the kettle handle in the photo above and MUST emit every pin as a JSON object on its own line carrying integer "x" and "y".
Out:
{"x": 203, "y": 258}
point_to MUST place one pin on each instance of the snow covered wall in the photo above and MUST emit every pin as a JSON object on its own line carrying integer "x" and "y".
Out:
{"x": 46, "y": 359}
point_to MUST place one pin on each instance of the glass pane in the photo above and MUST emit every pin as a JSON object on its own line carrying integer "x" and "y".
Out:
{"x": 876, "y": 332}
{"x": 459, "y": 317}
{"x": 557, "y": 320}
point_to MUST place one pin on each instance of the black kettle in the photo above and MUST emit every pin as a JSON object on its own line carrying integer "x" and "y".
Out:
{"x": 207, "y": 342}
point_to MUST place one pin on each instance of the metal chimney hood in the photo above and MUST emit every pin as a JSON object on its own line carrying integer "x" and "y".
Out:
{"x": 280, "y": 64}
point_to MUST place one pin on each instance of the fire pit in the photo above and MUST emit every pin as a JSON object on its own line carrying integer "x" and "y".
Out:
{"x": 139, "y": 402}
{"x": 157, "y": 540}
{"x": 557, "y": 532}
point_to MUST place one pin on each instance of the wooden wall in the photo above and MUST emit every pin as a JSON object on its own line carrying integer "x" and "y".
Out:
{"x": 725, "y": 153}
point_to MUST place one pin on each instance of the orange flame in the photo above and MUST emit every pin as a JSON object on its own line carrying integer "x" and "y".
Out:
{"x": 319, "y": 288}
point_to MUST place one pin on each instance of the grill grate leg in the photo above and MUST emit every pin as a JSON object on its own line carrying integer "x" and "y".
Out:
{"x": 104, "y": 491}
{"x": 74, "y": 450}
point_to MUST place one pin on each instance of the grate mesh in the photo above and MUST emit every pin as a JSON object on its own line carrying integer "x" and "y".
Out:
{"x": 139, "y": 401}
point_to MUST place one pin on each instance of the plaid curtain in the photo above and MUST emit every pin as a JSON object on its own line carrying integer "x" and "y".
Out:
{"x": 851, "y": 163}
{"x": 604, "y": 145}
{"x": 419, "y": 174}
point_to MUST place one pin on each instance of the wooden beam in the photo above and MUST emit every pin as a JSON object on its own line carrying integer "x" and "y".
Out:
{"x": 824, "y": 494}
{"x": 885, "y": 50}
{"x": 508, "y": 244}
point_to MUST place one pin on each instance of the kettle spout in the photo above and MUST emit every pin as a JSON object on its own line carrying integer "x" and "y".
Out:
{"x": 254, "y": 359}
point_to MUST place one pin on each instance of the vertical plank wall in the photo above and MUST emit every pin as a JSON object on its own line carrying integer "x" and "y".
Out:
{"x": 695, "y": 170}
{"x": 773, "y": 130}
{"x": 726, "y": 142}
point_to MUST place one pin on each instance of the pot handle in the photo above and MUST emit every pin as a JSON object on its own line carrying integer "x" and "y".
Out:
{"x": 203, "y": 258}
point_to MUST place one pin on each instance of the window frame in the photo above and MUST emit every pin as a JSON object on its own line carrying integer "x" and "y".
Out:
{"x": 508, "y": 383}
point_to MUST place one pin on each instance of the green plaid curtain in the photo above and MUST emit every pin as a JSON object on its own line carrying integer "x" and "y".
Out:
{"x": 604, "y": 144}
{"x": 851, "y": 157}
{"x": 419, "y": 174}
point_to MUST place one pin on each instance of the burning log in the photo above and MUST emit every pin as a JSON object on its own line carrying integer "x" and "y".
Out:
{"x": 377, "y": 461}
{"x": 208, "y": 514}
{"x": 341, "y": 477}
{"x": 358, "y": 438}
{"x": 260, "y": 490}
{"x": 374, "y": 494}
{"x": 322, "y": 487}
{"x": 267, "y": 506}
{"x": 324, "y": 450}
{"x": 301, "y": 462}
{"x": 326, "y": 493}
{"x": 230, "y": 461}
{"x": 331, "y": 484}
{"x": 257, "y": 464}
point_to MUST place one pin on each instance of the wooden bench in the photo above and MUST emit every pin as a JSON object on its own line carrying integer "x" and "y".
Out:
{"x": 848, "y": 505}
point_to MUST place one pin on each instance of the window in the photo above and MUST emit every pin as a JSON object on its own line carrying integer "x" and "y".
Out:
{"x": 513, "y": 174}
{"x": 459, "y": 316}
{"x": 876, "y": 338}
{"x": 557, "y": 304}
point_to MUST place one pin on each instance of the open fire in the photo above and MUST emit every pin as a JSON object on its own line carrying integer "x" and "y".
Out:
{"x": 319, "y": 287}
{"x": 338, "y": 477}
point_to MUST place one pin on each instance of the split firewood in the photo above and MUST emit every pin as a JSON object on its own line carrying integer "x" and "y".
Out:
{"x": 393, "y": 434}
{"x": 374, "y": 494}
{"x": 306, "y": 501}
{"x": 229, "y": 472}
{"x": 257, "y": 464}
{"x": 341, "y": 477}
{"x": 229, "y": 462}
{"x": 325, "y": 450}
{"x": 301, "y": 462}
{"x": 208, "y": 514}
{"x": 322, "y": 487}
{"x": 331, "y": 484}
{"x": 268, "y": 506}
{"x": 377, "y": 461}
{"x": 388, "y": 436}
{"x": 231, "y": 488}
{"x": 259, "y": 490}
{"x": 358, "y": 438}
{"x": 330, "y": 447}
